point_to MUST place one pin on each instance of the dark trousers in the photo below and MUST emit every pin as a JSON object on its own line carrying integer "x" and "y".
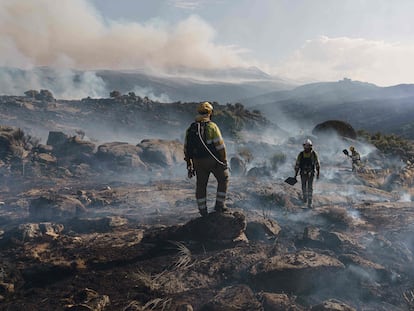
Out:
{"x": 307, "y": 185}
{"x": 203, "y": 168}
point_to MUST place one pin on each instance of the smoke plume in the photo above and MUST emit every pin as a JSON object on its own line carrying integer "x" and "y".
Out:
{"x": 71, "y": 33}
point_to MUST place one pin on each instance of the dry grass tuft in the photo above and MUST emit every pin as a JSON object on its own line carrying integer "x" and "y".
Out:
{"x": 409, "y": 299}
{"x": 184, "y": 256}
{"x": 148, "y": 280}
{"x": 158, "y": 304}
{"x": 133, "y": 306}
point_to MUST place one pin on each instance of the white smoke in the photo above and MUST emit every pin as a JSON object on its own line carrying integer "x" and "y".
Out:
{"x": 69, "y": 35}
{"x": 405, "y": 197}
{"x": 149, "y": 92}
{"x": 64, "y": 83}
{"x": 42, "y": 33}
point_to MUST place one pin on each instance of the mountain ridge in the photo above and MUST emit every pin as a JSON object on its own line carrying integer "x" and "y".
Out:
{"x": 363, "y": 105}
{"x": 222, "y": 86}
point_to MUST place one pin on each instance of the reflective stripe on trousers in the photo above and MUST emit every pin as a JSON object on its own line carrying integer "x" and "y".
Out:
{"x": 220, "y": 197}
{"x": 203, "y": 168}
{"x": 202, "y": 203}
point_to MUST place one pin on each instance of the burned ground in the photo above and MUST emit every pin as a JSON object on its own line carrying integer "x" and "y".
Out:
{"x": 104, "y": 226}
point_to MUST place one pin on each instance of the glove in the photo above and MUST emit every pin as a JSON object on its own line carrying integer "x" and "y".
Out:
{"x": 190, "y": 168}
{"x": 317, "y": 176}
{"x": 190, "y": 173}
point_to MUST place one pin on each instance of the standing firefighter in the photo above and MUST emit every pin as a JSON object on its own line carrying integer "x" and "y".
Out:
{"x": 205, "y": 153}
{"x": 307, "y": 162}
{"x": 356, "y": 158}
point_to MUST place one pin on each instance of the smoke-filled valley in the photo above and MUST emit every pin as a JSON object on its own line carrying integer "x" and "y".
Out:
{"x": 97, "y": 212}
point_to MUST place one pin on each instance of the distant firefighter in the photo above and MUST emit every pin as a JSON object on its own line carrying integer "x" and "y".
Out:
{"x": 307, "y": 163}
{"x": 356, "y": 158}
{"x": 205, "y": 153}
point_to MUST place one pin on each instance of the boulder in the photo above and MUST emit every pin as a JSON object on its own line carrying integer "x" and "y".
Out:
{"x": 298, "y": 272}
{"x": 332, "y": 305}
{"x": 215, "y": 226}
{"x": 317, "y": 238}
{"x": 161, "y": 152}
{"x": 364, "y": 269}
{"x": 70, "y": 149}
{"x": 56, "y": 139}
{"x": 41, "y": 148}
{"x": 120, "y": 155}
{"x": 48, "y": 208}
{"x": 259, "y": 172}
{"x": 224, "y": 227}
{"x": 45, "y": 158}
{"x": 278, "y": 302}
{"x": 341, "y": 128}
{"x": 75, "y": 146}
{"x": 89, "y": 225}
{"x": 31, "y": 231}
{"x": 262, "y": 228}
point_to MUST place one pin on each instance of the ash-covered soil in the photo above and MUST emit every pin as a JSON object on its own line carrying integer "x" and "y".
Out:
{"x": 113, "y": 225}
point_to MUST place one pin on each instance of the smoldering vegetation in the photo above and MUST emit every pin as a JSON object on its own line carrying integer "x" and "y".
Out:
{"x": 97, "y": 213}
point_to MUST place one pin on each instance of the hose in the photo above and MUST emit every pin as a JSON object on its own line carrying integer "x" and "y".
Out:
{"x": 205, "y": 146}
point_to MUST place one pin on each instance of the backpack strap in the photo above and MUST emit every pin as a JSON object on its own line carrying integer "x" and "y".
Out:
{"x": 204, "y": 143}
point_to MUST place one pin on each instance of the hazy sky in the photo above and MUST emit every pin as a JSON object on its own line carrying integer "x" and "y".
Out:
{"x": 307, "y": 40}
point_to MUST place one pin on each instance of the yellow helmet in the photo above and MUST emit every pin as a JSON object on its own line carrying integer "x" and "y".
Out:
{"x": 205, "y": 108}
{"x": 352, "y": 148}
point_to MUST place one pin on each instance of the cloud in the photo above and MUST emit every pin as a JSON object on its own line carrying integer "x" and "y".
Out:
{"x": 187, "y": 4}
{"x": 72, "y": 34}
{"x": 193, "y": 4}
{"x": 328, "y": 59}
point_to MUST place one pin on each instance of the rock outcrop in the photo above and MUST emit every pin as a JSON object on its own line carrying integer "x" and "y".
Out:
{"x": 338, "y": 127}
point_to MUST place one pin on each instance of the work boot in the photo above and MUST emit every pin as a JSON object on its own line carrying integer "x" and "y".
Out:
{"x": 305, "y": 199}
{"x": 203, "y": 211}
{"x": 310, "y": 203}
{"x": 221, "y": 208}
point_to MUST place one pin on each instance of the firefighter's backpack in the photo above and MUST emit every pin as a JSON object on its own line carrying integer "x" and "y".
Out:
{"x": 195, "y": 147}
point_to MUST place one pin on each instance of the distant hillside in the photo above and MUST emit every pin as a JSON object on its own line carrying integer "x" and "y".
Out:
{"x": 123, "y": 117}
{"x": 333, "y": 92}
{"x": 363, "y": 105}
{"x": 223, "y": 86}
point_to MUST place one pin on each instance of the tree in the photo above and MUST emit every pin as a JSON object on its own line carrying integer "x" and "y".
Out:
{"x": 115, "y": 94}
{"x": 31, "y": 93}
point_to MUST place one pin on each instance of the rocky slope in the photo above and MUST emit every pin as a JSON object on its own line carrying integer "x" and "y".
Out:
{"x": 112, "y": 225}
